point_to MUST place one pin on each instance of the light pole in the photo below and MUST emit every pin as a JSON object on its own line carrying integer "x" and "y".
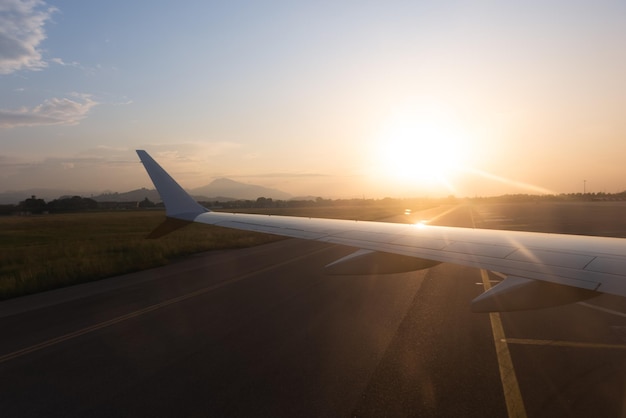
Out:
{"x": 584, "y": 186}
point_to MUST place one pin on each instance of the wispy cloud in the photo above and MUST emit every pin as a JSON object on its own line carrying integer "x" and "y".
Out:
{"x": 77, "y": 65}
{"x": 192, "y": 150}
{"x": 62, "y": 63}
{"x": 72, "y": 172}
{"x": 21, "y": 31}
{"x": 280, "y": 175}
{"x": 55, "y": 111}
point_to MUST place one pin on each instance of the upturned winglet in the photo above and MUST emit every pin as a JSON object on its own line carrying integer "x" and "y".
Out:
{"x": 178, "y": 203}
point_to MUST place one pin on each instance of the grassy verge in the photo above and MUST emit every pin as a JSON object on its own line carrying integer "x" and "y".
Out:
{"x": 39, "y": 253}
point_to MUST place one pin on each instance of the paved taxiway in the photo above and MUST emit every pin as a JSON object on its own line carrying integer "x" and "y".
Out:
{"x": 263, "y": 332}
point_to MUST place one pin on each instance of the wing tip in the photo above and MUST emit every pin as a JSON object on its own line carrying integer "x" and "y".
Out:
{"x": 178, "y": 203}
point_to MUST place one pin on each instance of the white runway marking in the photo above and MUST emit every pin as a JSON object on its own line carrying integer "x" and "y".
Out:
{"x": 605, "y": 310}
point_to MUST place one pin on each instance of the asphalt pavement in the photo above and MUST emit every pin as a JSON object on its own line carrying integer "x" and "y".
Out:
{"x": 264, "y": 332}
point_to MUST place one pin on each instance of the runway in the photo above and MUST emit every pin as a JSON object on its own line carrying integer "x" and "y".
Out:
{"x": 264, "y": 332}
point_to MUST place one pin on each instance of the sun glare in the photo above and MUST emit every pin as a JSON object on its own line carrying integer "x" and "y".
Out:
{"x": 421, "y": 147}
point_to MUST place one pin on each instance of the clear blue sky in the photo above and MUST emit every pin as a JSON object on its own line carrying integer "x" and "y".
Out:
{"x": 337, "y": 99}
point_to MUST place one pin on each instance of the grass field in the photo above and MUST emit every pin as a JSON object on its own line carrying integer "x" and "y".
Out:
{"x": 44, "y": 252}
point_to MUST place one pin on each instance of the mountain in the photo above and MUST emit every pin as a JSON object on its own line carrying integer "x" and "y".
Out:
{"x": 13, "y": 197}
{"x": 152, "y": 195}
{"x": 220, "y": 189}
{"x": 131, "y": 196}
{"x": 235, "y": 189}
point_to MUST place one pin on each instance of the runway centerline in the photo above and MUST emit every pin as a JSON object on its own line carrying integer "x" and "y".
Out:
{"x": 53, "y": 341}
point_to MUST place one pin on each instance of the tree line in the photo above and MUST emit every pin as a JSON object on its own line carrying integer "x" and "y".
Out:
{"x": 34, "y": 205}
{"x": 37, "y": 206}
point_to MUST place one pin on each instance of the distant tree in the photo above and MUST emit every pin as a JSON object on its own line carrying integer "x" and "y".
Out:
{"x": 7, "y": 209}
{"x": 146, "y": 203}
{"x": 33, "y": 205}
{"x": 72, "y": 204}
{"x": 321, "y": 201}
{"x": 264, "y": 202}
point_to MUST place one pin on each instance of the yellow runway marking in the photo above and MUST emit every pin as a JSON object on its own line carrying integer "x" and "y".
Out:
{"x": 95, "y": 327}
{"x": 510, "y": 386}
{"x": 122, "y": 318}
{"x": 555, "y": 343}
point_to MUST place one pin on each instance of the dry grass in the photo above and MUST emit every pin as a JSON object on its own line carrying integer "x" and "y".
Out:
{"x": 44, "y": 252}
{"x": 39, "y": 253}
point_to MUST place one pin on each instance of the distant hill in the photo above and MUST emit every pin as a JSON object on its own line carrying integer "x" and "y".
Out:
{"x": 238, "y": 190}
{"x": 152, "y": 195}
{"x": 15, "y": 196}
{"x": 131, "y": 196}
{"x": 220, "y": 189}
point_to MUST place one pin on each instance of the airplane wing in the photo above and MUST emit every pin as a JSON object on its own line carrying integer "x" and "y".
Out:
{"x": 541, "y": 269}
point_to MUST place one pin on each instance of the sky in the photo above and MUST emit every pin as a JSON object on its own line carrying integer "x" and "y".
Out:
{"x": 325, "y": 98}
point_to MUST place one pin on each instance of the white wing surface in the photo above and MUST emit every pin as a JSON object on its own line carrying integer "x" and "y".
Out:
{"x": 542, "y": 269}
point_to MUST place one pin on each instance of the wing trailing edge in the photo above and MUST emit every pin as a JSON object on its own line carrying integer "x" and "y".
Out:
{"x": 519, "y": 294}
{"x": 377, "y": 262}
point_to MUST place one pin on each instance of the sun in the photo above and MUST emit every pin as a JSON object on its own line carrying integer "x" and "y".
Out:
{"x": 422, "y": 147}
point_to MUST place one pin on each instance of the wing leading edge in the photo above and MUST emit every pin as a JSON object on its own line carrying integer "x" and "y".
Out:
{"x": 580, "y": 266}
